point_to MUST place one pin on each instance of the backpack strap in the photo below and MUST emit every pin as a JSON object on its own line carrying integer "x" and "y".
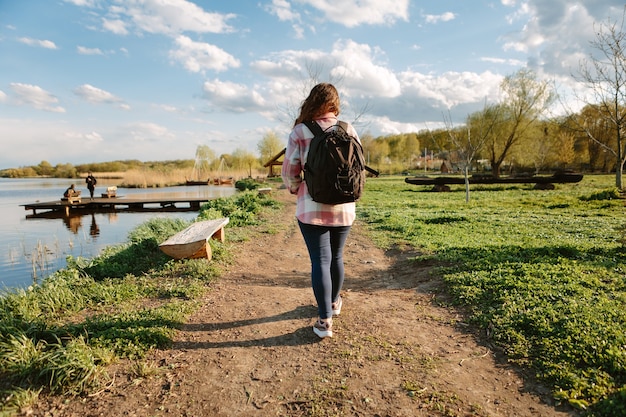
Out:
{"x": 314, "y": 127}
{"x": 317, "y": 129}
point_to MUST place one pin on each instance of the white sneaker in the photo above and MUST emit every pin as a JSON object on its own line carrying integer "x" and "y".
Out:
{"x": 336, "y": 306}
{"x": 323, "y": 328}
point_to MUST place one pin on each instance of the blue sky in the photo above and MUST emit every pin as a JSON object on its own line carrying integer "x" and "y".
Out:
{"x": 92, "y": 80}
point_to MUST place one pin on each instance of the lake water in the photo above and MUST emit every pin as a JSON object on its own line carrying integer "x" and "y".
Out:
{"x": 33, "y": 247}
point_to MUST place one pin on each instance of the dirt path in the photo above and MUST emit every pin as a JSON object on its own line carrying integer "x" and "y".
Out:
{"x": 250, "y": 350}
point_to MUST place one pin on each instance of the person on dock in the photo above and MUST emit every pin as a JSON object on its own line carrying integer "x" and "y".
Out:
{"x": 91, "y": 183}
{"x": 70, "y": 192}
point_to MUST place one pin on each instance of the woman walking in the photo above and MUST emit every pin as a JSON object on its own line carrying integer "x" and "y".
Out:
{"x": 324, "y": 227}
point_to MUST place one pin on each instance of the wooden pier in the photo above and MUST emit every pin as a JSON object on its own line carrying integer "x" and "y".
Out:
{"x": 118, "y": 204}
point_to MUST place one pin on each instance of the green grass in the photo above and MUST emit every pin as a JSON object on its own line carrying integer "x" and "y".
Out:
{"x": 60, "y": 335}
{"x": 543, "y": 272}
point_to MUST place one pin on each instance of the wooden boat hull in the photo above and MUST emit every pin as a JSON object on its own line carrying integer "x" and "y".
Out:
{"x": 556, "y": 178}
{"x": 193, "y": 242}
{"x": 193, "y": 182}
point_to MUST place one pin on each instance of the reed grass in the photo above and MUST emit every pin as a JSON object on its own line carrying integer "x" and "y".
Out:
{"x": 154, "y": 178}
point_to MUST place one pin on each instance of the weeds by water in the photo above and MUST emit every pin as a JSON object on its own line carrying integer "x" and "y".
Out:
{"x": 151, "y": 178}
{"x": 59, "y": 335}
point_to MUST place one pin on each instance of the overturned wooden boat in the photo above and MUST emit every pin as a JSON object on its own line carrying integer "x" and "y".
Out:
{"x": 559, "y": 177}
{"x": 193, "y": 242}
{"x": 226, "y": 180}
{"x": 198, "y": 182}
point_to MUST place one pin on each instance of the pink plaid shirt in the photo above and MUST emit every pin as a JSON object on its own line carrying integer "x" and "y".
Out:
{"x": 307, "y": 210}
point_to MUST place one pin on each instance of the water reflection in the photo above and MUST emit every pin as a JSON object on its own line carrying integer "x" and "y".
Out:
{"x": 73, "y": 223}
{"x": 94, "y": 230}
{"x": 33, "y": 246}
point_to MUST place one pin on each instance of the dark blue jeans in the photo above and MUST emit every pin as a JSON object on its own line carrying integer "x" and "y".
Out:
{"x": 325, "y": 245}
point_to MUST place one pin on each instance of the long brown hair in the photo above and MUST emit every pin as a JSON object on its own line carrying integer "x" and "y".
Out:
{"x": 322, "y": 99}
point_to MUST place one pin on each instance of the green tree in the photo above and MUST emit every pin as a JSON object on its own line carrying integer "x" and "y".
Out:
{"x": 44, "y": 168}
{"x": 65, "y": 171}
{"x": 525, "y": 100}
{"x": 269, "y": 146}
{"x": 242, "y": 158}
{"x": 378, "y": 152}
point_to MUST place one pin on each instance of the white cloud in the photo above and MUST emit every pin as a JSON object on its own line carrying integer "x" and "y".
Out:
{"x": 148, "y": 131}
{"x": 89, "y": 3}
{"x": 386, "y": 126}
{"x": 55, "y": 141}
{"x": 84, "y": 137}
{"x": 96, "y": 96}
{"x": 167, "y": 108}
{"x": 3, "y": 96}
{"x": 170, "y": 17}
{"x": 503, "y": 61}
{"x": 352, "y": 13}
{"x": 366, "y": 81}
{"x": 556, "y": 34}
{"x": 94, "y": 137}
{"x": 282, "y": 10}
{"x": 115, "y": 26}
{"x": 36, "y": 97}
{"x": 200, "y": 56}
{"x": 283, "y": 65}
{"x": 233, "y": 97}
{"x": 445, "y": 17}
{"x": 452, "y": 88}
{"x": 36, "y": 42}
{"x": 83, "y": 50}
{"x": 360, "y": 73}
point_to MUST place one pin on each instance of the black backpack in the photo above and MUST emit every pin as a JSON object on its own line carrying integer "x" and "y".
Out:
{"x": 334, "y": 171}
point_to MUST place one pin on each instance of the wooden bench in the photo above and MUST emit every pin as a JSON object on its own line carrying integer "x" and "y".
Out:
{"x": 111, "y": 192}
{"x": 193, "y": 242}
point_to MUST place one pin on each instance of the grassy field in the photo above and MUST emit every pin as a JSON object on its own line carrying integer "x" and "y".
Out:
{"x": 542, "y": 272}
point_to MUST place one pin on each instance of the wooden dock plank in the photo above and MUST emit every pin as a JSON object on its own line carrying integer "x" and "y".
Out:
{"x": 136, "y": 203}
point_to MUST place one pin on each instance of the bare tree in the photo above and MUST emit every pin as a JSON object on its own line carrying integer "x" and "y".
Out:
{"x": 288, "y": 112}
{"x": 471, "y": 138}
{"x": 605, "y": 76}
